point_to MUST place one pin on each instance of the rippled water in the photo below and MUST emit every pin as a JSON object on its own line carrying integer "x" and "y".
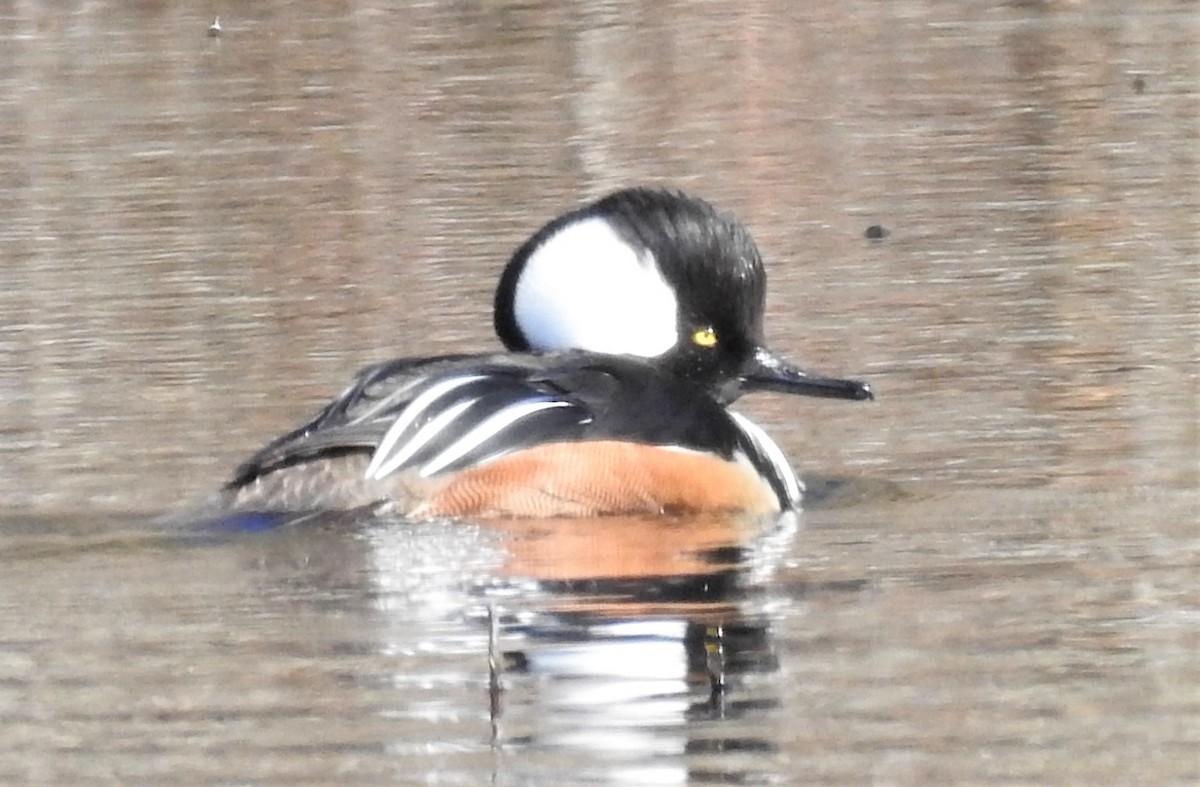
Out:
{"x": 202, "y": 237}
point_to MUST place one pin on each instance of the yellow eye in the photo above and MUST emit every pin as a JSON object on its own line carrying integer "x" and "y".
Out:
{"x": 705, "y": 337}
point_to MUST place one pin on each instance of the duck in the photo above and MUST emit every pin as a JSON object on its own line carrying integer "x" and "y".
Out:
{"x": 630, "y": 326}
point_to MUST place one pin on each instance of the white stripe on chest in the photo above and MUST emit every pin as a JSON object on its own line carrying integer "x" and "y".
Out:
{"x": 793, "y": 488}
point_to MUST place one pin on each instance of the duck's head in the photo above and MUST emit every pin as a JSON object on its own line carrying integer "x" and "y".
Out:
{"x": 656, "y": 274}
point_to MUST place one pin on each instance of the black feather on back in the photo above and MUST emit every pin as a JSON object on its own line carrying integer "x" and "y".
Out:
{"x": 606, "y": 397}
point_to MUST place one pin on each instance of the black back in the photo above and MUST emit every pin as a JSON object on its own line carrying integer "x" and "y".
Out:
{"x": 537, "y": 399}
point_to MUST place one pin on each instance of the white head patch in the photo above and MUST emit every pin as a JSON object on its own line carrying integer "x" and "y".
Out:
{"x": 586, "y": 288}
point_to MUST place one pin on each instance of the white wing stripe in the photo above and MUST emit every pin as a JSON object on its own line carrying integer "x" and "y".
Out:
{"x": 418, "y": 441}
{"x": 774, "y": 455}
{"x": 393, "y": 396}
{"x": 408, "y": 416}
{"x": 492, "y": 425}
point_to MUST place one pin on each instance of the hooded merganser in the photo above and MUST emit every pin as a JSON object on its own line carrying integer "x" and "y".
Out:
{"x": 631, "y": 324}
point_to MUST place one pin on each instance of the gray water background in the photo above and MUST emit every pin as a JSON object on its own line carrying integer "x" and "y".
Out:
{"x": 202, "y": 237}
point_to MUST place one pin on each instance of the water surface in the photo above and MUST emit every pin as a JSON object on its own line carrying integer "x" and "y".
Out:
{"x": 201, "y": 238}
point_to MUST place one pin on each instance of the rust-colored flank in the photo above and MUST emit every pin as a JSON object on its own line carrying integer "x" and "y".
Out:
{"x": 598, "y": 478}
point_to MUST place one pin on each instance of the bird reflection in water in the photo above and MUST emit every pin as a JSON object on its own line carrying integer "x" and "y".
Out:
{"x": 640, "y": 649}
{"x": 642, "y": 633}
